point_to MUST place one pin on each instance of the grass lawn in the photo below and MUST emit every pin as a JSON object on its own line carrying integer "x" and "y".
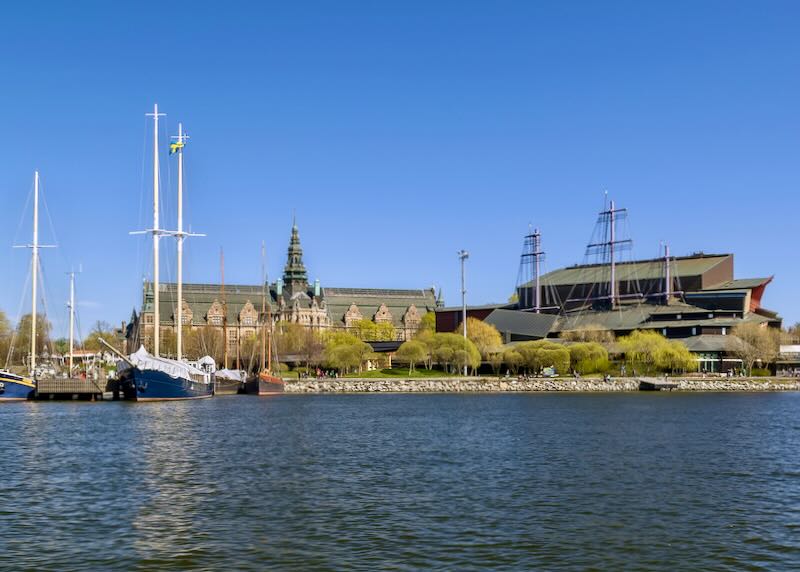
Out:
{"x": 401, "y": 372}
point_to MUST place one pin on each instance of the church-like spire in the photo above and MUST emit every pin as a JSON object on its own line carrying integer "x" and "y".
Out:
{"x": 295, "y": 277}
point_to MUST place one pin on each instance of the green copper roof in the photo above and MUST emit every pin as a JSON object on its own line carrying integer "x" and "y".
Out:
{"x": 295, "y": 270}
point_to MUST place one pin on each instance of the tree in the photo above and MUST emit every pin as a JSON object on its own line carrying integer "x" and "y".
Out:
{"x": 588, "y": 333}
{"x": 204, "y": 341}
{"x": 651, "y": 351}
{"x": 22, "y": 338}
{"x": 425, "y": 337}
{"x": 427, "y": 323}
{"x": 542, "y": 353}
{"x": 345, "y": 352}
{"x": 513, "y": 359}
{"x": 313, "y": 347}
{"x": 759, "y": 343}
{"x": 289, "y": 337}
{"x": 104, "y": 330}
{"x": 674, "y": 356}
{"x": 412, "y": 352}
{"x": 453, "y": 351}
{"x": 369, "y": 331}
{"x": 485, "y": 336}
{"x": 588, "y": 357}
{"x": 61, "y": 346}
{"x": 641, "y": 348}
{"x": 6, "y": 334}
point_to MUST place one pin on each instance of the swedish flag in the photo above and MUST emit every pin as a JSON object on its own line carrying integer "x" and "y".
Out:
{"x": 173, "y": 147}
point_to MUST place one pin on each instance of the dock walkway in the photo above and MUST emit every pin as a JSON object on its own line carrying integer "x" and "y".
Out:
{"x": 70, "y": 388}
{"x": 656, "y": 384}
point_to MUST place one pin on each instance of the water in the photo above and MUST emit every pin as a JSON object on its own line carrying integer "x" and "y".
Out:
{"x": 554, "y": 481}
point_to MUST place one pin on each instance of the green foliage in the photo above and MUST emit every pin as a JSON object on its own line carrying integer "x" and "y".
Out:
{"x": 5, "y": 336}
{"x": 22, "y": 338}
{"x": 485, "y": 336}
{"x": 759, "y": 343}
{"x": 588, "y": 357}
{"x": 345, "y": 352}
{"x": 760, "y": 372}
{"x": 452, "y": 351}
{"x": 412, "y": 352}
{"x": 512, "y": 359}
{"x": 369, "y": 331}
{"x": 401, "y": 372}
{"x": 651, "y": 351}
{"x": 542, "y": 353}
{"x": 588, "y": 333}
{"x": 427, "y": 323}
{"x": 61, "y": 346}
{"x": 675, "y": 357}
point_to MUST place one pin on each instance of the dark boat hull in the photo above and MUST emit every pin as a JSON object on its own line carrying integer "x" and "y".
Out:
{"x": 228, "y": 386}
{"x": 267, "y": 385}
{"x": 153, "y": 385}
{"x": 13, "y": 388}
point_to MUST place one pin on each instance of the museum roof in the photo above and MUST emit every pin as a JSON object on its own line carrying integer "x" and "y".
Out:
{"x": 694, "y": 265}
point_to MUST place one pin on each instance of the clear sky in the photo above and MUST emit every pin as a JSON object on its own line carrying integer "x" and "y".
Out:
{"x": 399, "y": 133}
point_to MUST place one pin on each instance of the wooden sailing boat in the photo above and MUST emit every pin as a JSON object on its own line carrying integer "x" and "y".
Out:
{"x": 226, "y": 381}
{"x": 15, "y": 387}
{"x": 149, "y": 377}
{"x": 265, "y": 382}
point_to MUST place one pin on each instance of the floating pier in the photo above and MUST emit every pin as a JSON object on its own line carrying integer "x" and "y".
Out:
{"x": 656, "y": 384}
{"x": 69, "y": 388}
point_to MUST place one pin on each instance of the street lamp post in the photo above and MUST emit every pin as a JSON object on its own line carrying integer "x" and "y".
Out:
{"x": 463, "y": 255}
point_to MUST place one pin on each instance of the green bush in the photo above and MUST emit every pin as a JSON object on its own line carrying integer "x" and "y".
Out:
{"x": 588, "y": 357}
{"x": 760, "y": 372}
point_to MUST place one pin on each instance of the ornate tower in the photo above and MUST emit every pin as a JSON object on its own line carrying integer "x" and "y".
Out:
{"x": 295, "y": 278}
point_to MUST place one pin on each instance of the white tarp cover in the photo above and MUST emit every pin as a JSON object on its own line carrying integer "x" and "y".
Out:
{"x": 235, "y": 374}
{"x": 171, "y": 367}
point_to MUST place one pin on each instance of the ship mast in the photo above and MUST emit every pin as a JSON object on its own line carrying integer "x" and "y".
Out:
{"x": 35, "y": 266}
{"x": 263, "y": 305}
{"x": 224, "y": 310}
{"x": 608, "y": 248}
{"x": 71, "y": 319}
{"x": 34, "y": 246}
{"x": 156, "y": 235}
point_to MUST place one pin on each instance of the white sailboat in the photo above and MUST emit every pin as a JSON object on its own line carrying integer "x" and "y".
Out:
{"x": 16, "y": 387}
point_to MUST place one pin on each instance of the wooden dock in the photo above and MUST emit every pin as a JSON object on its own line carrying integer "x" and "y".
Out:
{"x": 69, "y": 388}
{"x": 656, "y": 384}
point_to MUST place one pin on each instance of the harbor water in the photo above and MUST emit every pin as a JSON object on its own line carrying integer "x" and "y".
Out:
{"x": 525, "y": 481}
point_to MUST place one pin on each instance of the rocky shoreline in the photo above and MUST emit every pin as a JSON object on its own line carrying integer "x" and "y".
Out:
{"x": 500, "y": 385}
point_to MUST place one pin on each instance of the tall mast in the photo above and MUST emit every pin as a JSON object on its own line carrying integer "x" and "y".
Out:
{"x": 35, "y": 267}
{"x": 609, "y": 247}
{"x": 180, "y": 143}
{"x": 156, "y": 233}
{"x": 71, "y": 318}
{"x": 224, "y": 310}
{"x": 179, "y": 336}
{"x": 263, "y": 306}
{"x": 613, "y": 286}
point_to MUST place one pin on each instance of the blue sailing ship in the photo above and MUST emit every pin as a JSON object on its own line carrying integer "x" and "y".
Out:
{"x": 15, "y": 387}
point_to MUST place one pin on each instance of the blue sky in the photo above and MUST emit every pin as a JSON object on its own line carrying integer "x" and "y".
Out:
{"x": 399, "y": 133}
